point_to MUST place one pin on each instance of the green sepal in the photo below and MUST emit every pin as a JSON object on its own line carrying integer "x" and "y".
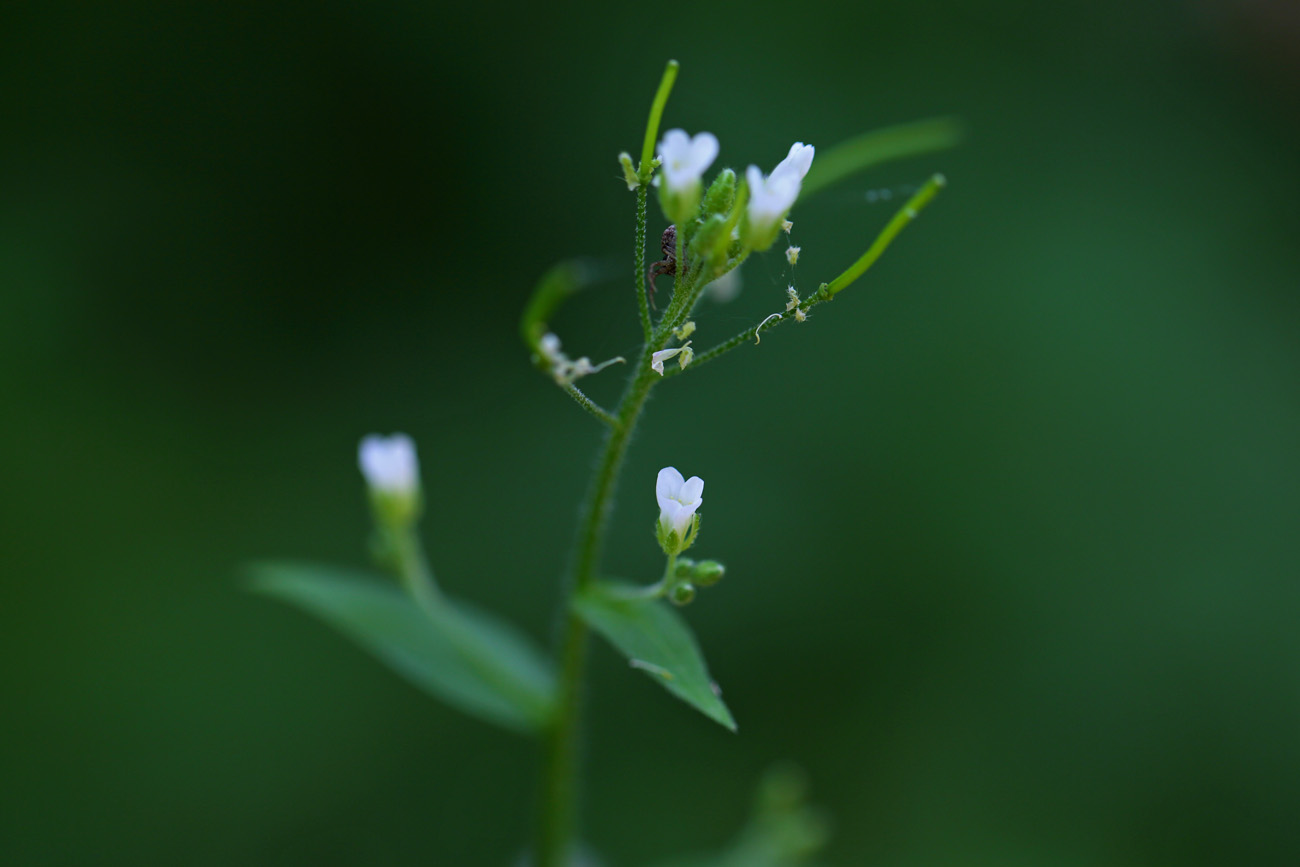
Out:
{"x": 679, "y": 206}
{"x": 655, "y": 639}
{"x": 759, "y": 237}
{"x": 470, "y": 659}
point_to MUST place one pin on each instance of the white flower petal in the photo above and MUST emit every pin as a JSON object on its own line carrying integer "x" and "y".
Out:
{"x": 797, "y": 162}
{"x": 389, "y": 464}
{"x": 657, "y": 359}
{"x": 771, "y": 198}
{"x": 692, "y": 489}
{"x": 667, "y": 486}
{"x": 685, "y": 159}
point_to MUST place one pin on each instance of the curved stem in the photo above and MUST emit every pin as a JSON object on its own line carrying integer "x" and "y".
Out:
{"x": 590, "y": 405}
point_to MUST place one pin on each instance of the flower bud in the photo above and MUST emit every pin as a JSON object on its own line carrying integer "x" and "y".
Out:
{"x": 706, "y": 244}
{"x": 721, "y": 195}
{"x": 706, "y": 573}
{"x": 682, "y": 594}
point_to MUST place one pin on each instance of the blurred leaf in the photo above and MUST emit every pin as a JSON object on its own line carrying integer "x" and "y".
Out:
{"x": 557, "y": 284}
{"x": 879, "y": 146}
{"x": 657, "y": 640}
{"x": 465, "y": 657}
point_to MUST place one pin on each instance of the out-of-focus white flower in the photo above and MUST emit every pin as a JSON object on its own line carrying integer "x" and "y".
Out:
{"x": 389, "y": 464}
{"x": 549, "y": 347}
{"x": 678, "y": 501}
{"x": 797, "y": 162}
{"x": 684, "y": 158}
{"x": 657, "y": 359}
{"x": 725, "y": 288}
{"x": 792, "y": 255}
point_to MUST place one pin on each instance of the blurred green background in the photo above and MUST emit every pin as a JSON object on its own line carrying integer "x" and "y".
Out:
{"x": 1011, "y": 528}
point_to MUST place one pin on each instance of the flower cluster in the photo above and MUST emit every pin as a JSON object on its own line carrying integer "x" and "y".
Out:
{"x": 685, "y": 158}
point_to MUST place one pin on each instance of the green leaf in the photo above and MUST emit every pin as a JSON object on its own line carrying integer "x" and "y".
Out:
{"x": 562, "y": 280}
{"x": 656, "y": 640}
{"x": 465, "y": 657}
{"x": 891, "y": 143}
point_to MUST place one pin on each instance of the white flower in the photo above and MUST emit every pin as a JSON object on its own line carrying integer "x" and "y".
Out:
{"x": 389, "y": 464}
{"x": 685, "y": 159}
{"x": 797, "y": 162}
{"x": 725, "y": 288}
{"x": 657, "y": 359}
{"x": 678, "y": 499}
{"x": 771, "y": 198}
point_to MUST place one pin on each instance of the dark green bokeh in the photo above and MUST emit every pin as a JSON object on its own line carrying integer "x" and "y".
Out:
{"x": 1010, "y": 528}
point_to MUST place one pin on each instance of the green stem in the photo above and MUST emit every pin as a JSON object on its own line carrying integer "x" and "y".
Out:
{"x": 905, "y": 215}
{"x": 560, "y": 765}
{"x": 652, "y": 123}
{"x": 827, "y": 291}
{"x": 590, "y": 405}
{"x": 642, "y": 302}
{"x": 413, "y": 569}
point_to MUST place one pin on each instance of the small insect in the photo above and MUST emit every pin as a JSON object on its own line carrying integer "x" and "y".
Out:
{"x": 668, "y": 244}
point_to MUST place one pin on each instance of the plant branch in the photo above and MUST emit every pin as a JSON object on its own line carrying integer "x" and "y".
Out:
{"x": 590, "y": 405}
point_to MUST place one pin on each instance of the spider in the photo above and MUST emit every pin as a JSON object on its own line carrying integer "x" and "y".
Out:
{"x": 668, "y": 265}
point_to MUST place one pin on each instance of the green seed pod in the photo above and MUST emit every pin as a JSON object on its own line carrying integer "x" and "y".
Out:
{"x": 682, "y": 594}
{"x": 685, "y": 568}
{"x": 708, "y": 572}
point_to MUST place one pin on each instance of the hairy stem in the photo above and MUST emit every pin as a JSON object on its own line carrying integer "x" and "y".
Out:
{"x": 590, "y": 405}
{"x": 560, "y": 766}
{"x": 642, "y": 302}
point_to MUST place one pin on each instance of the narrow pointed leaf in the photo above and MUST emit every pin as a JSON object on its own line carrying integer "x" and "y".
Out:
{"x": 879, "y": 146}
{"x": 657, "y": 640}
{"x": 465, "y": 657}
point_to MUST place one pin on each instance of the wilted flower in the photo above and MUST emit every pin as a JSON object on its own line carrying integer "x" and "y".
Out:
{"x": 389, "y": 464}
{"x": 678, "y": 500}
{"x": 657, "y": 359}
